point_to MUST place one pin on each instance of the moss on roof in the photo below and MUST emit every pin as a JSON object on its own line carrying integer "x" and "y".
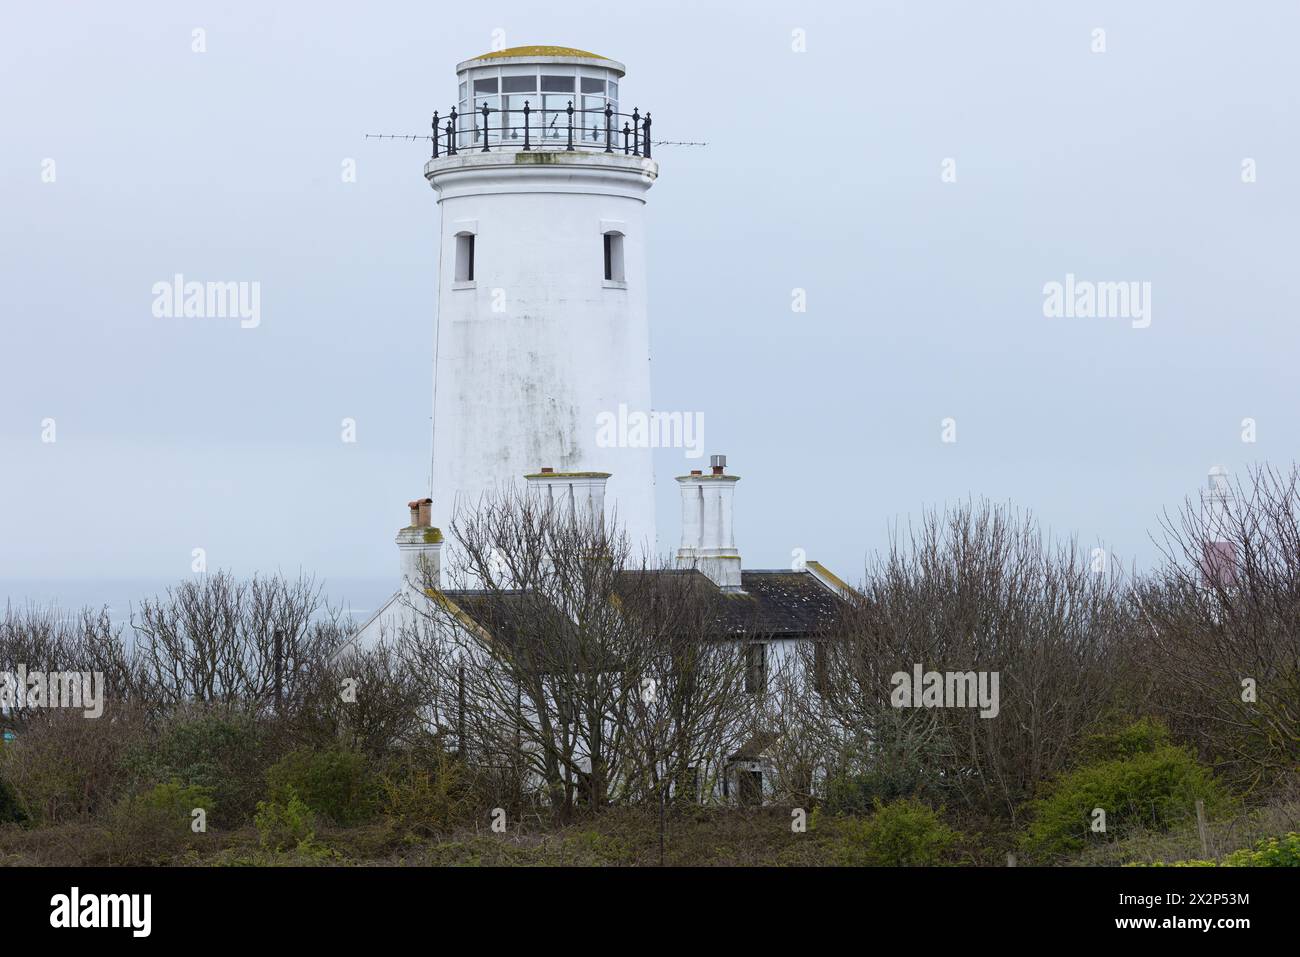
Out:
{"x": 549, "y": 475}
{"x": 539, "y": 51}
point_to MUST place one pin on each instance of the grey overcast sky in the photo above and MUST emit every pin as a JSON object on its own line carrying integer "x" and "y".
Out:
{"x": 823, "y": 171}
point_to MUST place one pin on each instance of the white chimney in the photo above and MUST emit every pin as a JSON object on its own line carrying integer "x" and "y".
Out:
{"x": 419, "y": 547}
{"x": 580, "y": 495}
{"x": 708, "y": 536}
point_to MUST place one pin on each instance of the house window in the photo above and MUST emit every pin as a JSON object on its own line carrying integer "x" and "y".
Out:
{"x": 614, "y": 257}
{"x": 465, "y": 257}
{"x": 755, "y": 668}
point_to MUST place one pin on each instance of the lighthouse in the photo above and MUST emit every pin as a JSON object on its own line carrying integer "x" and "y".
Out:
{"x": 542, "y": 360}
{"x": 541, "y": 172}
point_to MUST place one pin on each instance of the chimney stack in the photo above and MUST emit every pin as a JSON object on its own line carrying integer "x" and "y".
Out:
{"x": 708, "y": 535}
{"x": 577, "y": 494}
{"x": 419, "y": 548}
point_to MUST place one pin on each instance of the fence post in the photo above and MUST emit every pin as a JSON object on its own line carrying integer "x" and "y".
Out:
{"x": 435, "y": 135}
{"x": 1202, "y": 828}
{"x": 527, "y": 147}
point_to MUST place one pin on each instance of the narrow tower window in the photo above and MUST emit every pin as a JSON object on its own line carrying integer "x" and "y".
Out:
{"x": 614, "y": 257}
{"x": 465, "y": 257}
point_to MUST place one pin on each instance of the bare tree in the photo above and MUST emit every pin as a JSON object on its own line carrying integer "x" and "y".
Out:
{"x": 1223, "y": 618}
{"x": 213, "y": 640}
{"x": 558, "y": 659}
{"x": 978, "y": 589}
{"x": 691, "y": 711}
{"x": 48, "y": 640}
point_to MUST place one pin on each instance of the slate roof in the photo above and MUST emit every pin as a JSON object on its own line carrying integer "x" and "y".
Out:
{"x": 783, "y": 604}
{"x": 774, "y": 604}
{"x": 505, "y": 615}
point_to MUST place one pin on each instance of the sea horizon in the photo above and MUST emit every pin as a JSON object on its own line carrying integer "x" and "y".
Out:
{"x": 353, "y": 597}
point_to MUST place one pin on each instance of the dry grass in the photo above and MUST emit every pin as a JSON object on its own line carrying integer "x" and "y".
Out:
{"x": 619, "y": 837}
{"x": 1184, "y": 844}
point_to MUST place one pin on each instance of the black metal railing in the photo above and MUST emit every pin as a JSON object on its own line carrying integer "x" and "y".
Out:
{"x": 487, "y": 128}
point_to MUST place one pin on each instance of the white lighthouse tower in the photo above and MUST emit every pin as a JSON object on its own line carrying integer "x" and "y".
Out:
{"x": 541, "y": 177}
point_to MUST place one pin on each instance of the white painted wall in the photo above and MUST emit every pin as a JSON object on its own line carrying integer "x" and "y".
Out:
{"x": 539, "y": 344}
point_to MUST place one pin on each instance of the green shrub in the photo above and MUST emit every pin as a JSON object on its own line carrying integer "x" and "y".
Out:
{"x": 335, "y": 784}
{"x": 903, "y": 833}
{"x": 859, "y": 793}
{"x": 284, "y": 825}
{"x": 1155, "y": 787}
{"x": 177, "y": 800}
{"x": 1270, "y": 852}
{"x": 422, "y": 800}
{"x": 153, "y": 827}
{"x": 11, "y": 809}
{"x": 903, "y": 761}
{"x": 221, "y": 752}
{"x": 1142, "y": 736}
{"x": 63, "y": 767}
{"x": 1191, "y": 863}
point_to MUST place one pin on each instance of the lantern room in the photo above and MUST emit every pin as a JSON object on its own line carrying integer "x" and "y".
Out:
{"x": 542, "y": 98}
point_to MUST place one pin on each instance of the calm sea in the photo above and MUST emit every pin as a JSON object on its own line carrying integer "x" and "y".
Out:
{"x": 357, "y": 597}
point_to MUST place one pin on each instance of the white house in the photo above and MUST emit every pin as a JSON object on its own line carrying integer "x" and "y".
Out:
{"x": 768, "y": 615}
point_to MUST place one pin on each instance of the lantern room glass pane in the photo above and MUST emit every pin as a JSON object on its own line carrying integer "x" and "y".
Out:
{"x": 519, "y": 84}
{"x": 558, "y": 84}
{"x": 494, "y": 120}
{"x": 593, "y": 119}
{"x": 512, "y": 117}
{"x": 555, "y": 119}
